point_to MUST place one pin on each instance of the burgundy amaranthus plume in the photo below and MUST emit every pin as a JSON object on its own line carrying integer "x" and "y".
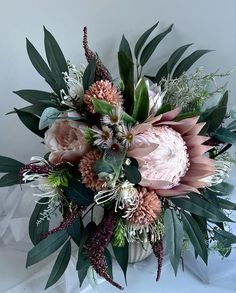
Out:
{"x": 157, "y": 248}
{"x": 101, "y": 72}
{"x": 71, "y": 216}
{"x": 96, "y": 244}
{"x": 34, "y": 168}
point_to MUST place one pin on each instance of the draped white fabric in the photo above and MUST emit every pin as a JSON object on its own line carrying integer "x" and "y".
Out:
{"x": 15, "y": 209}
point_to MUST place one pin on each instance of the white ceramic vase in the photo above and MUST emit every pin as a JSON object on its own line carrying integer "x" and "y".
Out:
{"x": 138, "y": 251}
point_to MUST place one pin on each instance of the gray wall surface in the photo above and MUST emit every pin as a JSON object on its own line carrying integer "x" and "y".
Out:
{"x": 209, "y": 24}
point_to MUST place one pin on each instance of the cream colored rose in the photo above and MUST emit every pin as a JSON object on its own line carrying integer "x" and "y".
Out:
{"x": 66, "y": 142}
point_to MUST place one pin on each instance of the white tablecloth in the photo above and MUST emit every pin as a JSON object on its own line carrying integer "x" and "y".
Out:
{"x": 15, "y": 209}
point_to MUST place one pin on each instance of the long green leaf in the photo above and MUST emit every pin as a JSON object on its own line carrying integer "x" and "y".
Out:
{"x": 54, "y": 54}
{"x": 125, "y": 47}
{"x": 9, "y": 165}
{"x": 89, "y": 74}
{"x": 103, "y": 108}
{"x": 30, "y": 121}
{"x": 141, "y": 102}
{"x": 215, "y": 116}
{"x": 141, "y": 41}
{"x": 188, "y": 62}
{"x": 201, "y": 207}
{"x": 222, "y": 189}
{"x": 75, "y": 231}
{"x": 33, "y": 109}
{"x": 33, "y": 96}
{"x": 78, "y": 193}
{"x": 122, "y": 257}
{"x": 82, "y": 267}
{"x": 195, "y": 235}
{"x": 232, "y": 125}
{"x": 174, "y": 58}
{"x": 225, "y": 135}
{"x": 126, "y": 69}
{"x": 36, "y": 230}
{"x": 225, "y": 236}
{"x": 41, "y": 66}
{"x": 226, "y": 204}
{"x": 151, "y": 46}
{"x": 46, "y": 247}
{"x": 60, "y": 265}
{"x": 174, "y": 237}
{"x": 9, "y": 179}
{"x": 161, "y": 73}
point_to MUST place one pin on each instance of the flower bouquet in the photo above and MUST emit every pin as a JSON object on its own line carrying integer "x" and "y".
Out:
{"x": 150, "y": 150}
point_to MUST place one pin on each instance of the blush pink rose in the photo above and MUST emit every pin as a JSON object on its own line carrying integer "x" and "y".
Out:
{"x": 66, "y": 141}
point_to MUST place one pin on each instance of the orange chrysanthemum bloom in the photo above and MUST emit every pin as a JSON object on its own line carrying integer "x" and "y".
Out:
{"x": 148, "y": 209}
{"x": 89, "y": 177}
{"x": 102, "y": 90}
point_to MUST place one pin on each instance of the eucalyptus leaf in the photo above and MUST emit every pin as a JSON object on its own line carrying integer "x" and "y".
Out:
{"x": 33, "y": 109}
{"x": 141, "y": 41}
{"x": 104, "y": 108}
{"x": 222, "y": 189}
{"x": 78, "y": 193}
{"x": 225, "y": 135}
{"x": 75, "y": 231}
{"x": 174, "y": 237}
{"x": 199, "y": 206}
{"x": 232, "y": 125}
{"x": 48, "y": 116}
{"x": 174, "y": 58}
{"x": 132, "y": 174}
{"x": 151, "y": 46}
{"x": 33, "y": 96}
{"x": 215, "y": 116}
{"x": 122, "y": 257}
{"x": 141, "y": 101}
{"x": 55, "y": 56}
{"x": 46, "y": 247}
{"x": 89, "y": 74}
{"x": 41, "y": 66}
{"x": 60, "y": 265}
{"x": 126, "y": 69}
{"x": 185, "y": 64}
{"x": 36, "y": 231}
{"x": 195, "y": 235}
{"x": 125, "y": 47}
{"x": 30, "y": 121}
{"x": 161, "y": 73}
{"x": 82, "y": 267}
{"x": 9, "y": 179}
{"x": 224, "y": 236}
{"x": 9, "y": 165}
{"x": 226, "y": 204}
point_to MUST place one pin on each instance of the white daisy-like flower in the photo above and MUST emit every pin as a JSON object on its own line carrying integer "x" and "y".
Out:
{"x": 126, "y": 135}
{"x": 103, "y": 137}
{"x": 114, "y": 117}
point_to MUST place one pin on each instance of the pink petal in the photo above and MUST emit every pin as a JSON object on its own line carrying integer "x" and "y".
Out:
{"x": 181, "y": 189}
{"x": 196, "y": 129}
{"x": 142, "y": 151}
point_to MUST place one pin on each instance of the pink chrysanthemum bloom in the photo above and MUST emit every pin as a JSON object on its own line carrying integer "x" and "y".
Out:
{"x": 148, "y": 209}
{"x": 102, "y": 90}
{"x": 89, "y": 177}
{"x": 172, "y": 160}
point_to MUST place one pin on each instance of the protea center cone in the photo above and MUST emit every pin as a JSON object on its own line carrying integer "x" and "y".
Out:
{"x": 171, "y": 154}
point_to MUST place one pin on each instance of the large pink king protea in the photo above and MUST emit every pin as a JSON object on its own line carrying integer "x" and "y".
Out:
{"x": 170, "y": 154}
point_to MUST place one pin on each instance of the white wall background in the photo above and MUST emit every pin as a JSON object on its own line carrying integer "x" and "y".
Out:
{"x": 210, "y": 24}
